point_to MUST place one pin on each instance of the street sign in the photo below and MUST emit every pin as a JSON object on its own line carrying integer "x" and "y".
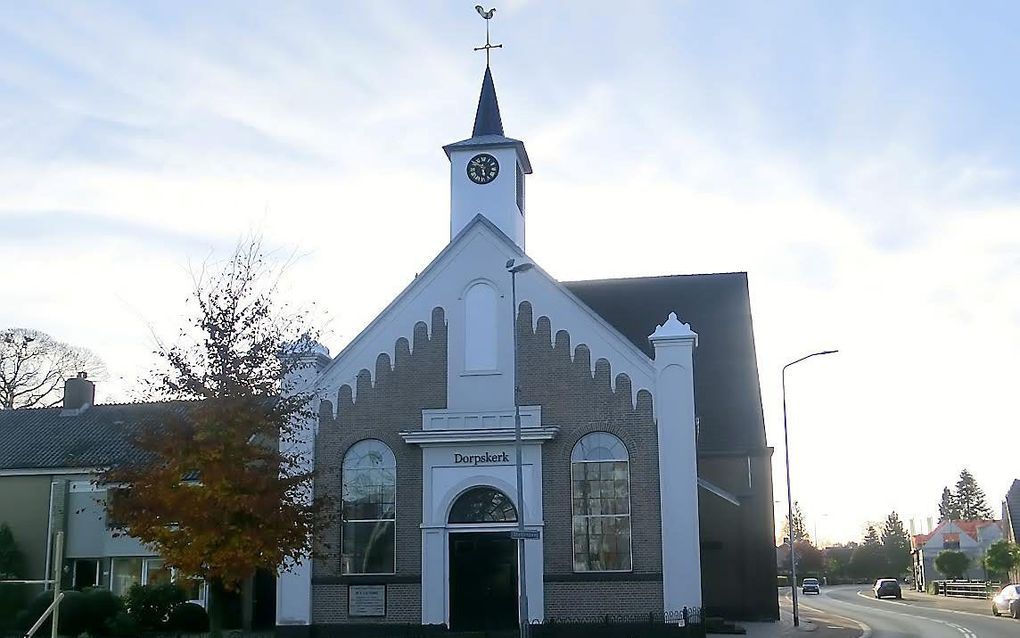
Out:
{"x": 528, "y": 534}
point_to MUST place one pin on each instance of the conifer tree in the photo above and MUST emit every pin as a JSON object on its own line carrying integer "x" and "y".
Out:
{"x": 800, "y": 532}
{"x": 896, "y": 544}
{"x": 970, "y": 498}
{"x": 871, "y": 536}
{"x": 949, "y": 509}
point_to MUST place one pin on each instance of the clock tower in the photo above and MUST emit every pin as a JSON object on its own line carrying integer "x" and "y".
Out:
{"x": 487, "y": 172}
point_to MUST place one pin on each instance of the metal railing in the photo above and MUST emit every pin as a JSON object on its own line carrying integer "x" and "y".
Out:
{"x": 964, "y": 589}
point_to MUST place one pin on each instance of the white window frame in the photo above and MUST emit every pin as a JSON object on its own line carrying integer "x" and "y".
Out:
{"x": 629, "y": 514}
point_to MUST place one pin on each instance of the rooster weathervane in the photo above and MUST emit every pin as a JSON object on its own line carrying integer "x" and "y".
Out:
{"x": 488, "y": 47}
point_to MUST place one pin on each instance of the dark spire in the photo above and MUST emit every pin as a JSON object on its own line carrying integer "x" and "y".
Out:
{"x": 487, "y": 120}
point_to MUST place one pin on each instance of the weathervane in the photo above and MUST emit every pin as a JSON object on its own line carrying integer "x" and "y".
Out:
{"x": 488, "y": 47}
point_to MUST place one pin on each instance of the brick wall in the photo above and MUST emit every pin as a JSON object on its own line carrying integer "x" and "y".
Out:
{"x": 560, "y": 379}
{"x": 388, "y": 401}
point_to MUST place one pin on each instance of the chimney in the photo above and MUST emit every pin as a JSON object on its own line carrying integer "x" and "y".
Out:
{"x": 79, "y": 393}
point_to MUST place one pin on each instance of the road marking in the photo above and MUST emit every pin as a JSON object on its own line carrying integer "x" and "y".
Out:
{"x": 865, "y": 629}
{"x": 967, "y": 633}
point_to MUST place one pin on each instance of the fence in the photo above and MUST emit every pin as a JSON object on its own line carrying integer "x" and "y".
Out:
{"x": 965, "y": 589}
{"x": 684, "y": 623}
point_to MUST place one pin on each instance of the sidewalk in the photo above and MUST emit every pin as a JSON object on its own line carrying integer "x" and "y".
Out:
{"x": 974, "y": 606}
{"x": 813, "y": 624}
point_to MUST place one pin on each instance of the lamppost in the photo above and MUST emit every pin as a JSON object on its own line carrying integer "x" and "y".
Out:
{"x": 522, "y": 612}
{"x": 789, "y": 493}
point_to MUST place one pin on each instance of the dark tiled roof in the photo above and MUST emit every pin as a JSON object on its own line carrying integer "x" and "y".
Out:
{"x": 99, "y": 436}
{"x": 726, "y": 391}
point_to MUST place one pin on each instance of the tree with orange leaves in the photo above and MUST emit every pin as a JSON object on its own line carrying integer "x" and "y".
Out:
{"x": 223, "y": 489}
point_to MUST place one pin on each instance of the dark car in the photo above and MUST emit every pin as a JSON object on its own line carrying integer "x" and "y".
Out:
{"x": 810, "y": 586}
{"x": 1007, "y": 601}
{"x": 887, "y": 587}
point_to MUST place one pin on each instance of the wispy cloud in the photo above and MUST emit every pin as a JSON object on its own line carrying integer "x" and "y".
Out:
{"x": 859, "y": 161}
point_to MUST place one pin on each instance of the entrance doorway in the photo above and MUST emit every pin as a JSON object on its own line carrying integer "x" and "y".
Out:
{"x": 483, "y": 581}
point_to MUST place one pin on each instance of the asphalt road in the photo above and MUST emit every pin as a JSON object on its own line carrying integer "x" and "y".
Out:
{"x": 905, "y": 618}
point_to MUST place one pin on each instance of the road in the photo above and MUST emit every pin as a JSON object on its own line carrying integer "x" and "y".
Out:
{"x": 908, "y": 618}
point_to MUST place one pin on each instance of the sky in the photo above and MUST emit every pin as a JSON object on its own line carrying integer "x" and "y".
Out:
{"x": 860, "y": 161}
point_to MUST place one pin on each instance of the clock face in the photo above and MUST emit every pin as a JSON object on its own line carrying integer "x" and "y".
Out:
{"x": 482, "y": 169}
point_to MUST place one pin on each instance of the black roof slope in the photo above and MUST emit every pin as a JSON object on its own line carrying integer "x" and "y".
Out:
{"x": 1013, "y": 505}
{"x": 727, "y": 396}
{"x": 101, "y": 435}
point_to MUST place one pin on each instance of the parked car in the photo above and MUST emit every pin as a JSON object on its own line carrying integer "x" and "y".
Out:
{"x": 810, "y": 586}
{"x": 1007, "y": 601}
{"x": 887, "y": 587}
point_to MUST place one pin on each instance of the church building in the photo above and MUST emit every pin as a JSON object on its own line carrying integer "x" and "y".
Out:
{"x": 646, "y": 475}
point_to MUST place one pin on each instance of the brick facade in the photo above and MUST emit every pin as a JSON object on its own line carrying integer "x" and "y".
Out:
{"x": 559, "y": 378}
{"x": 554, "y": 375}
{"x": 388, "y": 402}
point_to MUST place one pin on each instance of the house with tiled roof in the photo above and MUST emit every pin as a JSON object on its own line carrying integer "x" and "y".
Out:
{"x": 48, "y": 461}
{"x": 972, "y": 537}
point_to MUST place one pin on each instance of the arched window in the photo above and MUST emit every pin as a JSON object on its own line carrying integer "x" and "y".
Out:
{"x": 600, "y": 492}
{"x": 483, "y": 505}
{"x": 368, "y": 543}
{"x": 481, "y": 328}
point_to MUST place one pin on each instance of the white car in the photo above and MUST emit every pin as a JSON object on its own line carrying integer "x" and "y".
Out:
{"x": 810, "y": 586}
{"x": 1007, "y": 601}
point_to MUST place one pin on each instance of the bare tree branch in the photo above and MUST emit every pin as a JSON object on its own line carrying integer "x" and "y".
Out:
{"x": 34, "y": 366}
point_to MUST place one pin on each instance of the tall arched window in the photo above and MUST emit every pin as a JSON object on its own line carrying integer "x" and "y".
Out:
{"x": 600, "y": 491}
{"x": 368, "y": 543}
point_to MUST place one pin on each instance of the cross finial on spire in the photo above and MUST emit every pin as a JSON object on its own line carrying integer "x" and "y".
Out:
{"x": 488, "y": 47}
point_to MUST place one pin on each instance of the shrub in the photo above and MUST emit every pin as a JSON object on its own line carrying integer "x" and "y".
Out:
{"x": 150, "y": 605}
{"x": 12, "y": 600}
{"x": 188, "y": 617}
{"x": 80, "y": 612}
{"x": 122, "y": 625}
{"x": 75, "y": 616}
{"x": 31, "y": 613}
{"x": 103, "y": 605}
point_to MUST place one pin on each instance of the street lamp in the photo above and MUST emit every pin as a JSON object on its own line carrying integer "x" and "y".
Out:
{"x": 522, "y": 612}
{"x": 789, "y": 494}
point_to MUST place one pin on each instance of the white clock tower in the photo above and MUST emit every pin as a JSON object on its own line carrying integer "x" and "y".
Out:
{"x": 487, "y": 172}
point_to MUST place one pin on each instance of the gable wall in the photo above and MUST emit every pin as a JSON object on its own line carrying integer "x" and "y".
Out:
{"x": 558, "y": 377}
{"x": 387, "y": 401}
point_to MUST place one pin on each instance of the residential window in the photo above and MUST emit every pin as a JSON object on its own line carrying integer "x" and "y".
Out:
{"x": 125, "y": 573}
{"x": 368, "y": 541}
{"x": 84, "y": 573}
{"x": 156, "y": 573}
{"x": 600, "y": 495}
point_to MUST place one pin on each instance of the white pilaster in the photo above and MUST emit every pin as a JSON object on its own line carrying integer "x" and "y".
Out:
{"x": 674, "y": 344}
{"x": 294, "y": 583}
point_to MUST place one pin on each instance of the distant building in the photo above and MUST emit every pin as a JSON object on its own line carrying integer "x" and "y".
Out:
{"x": 973, "y": 538}
{"x": 48, "y": 462}
{"x": 1011, "y": 519}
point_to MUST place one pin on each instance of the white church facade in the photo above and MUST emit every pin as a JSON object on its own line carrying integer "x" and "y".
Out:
{"x": 642, "y": 490}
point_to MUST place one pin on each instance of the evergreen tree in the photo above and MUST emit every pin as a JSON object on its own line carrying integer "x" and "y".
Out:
{"x": 970, "y": 498}
{"x": 800, "y": 532}
{"x": 868, "y": 560}
{"x": 871, "y": 536}
{"x": 896, "y": 544}
{"x": 949, "y": 509}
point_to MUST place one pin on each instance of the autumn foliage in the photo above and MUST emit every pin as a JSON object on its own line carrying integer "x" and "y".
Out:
{"x": 224, "y": 489}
